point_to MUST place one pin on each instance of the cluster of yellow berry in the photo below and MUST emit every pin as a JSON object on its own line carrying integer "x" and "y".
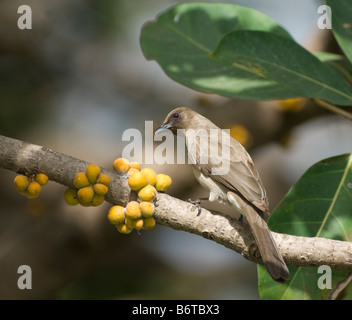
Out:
{"x": 135, "y": 216}
{"x": 32, "y": 185}
{"x": 90, "y": 188}
{"x": 138, "y": 214}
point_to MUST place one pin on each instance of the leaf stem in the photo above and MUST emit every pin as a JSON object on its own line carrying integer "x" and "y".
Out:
{"x": 340, "y": 287}
{"x": 333, "y": 108}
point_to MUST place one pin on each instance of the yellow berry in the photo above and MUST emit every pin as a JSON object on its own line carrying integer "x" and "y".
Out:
{"x": 241, "y": 134}
{"x": 21, "y": 182}
{"x": 116, "y": 215}
{"x": 149, "y": 223}
{"x": 137, "y": 181}
{"x": 70, "y": 196}
{"x": 121, "y": 165}
{"x": 163, "y": 182}
{"x": 104, "y": 179}
{"x": 148, "y": 193}
{"x": 100, "y": 189}
{"x": 293, "y": 104}
{"x": 129, "y": 222}
{"x": 123, "y": 228}
{"x": 88, "y": 204}
{"x": 150, "y": 175}
{"x": 97, "y": 200}
{"x": 81, "y": 180}
{"x": 31, "y": 196}
{"x": 24, "y": 193}
{"x": 135, "y": 165}
{"x": 85, "y": 195}
{"x": 138, "y": 224}
{"x": 33, "y": 189}
{"x": 147, "y": 209}
{"x": 92, "y": 172}
{"x": 132, "y": 171}
{"x": 41, "y": 178}
{"x": 132, "y": 210}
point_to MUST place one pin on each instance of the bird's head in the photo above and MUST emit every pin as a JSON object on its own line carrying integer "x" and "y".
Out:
{"x": 179, "y": 118}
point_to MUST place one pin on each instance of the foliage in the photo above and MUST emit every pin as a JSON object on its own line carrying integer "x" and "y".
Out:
{"x": 318, "y": 205}
{"x": 238, "y": 52}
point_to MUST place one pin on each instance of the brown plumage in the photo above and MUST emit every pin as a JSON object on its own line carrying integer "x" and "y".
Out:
{"x": 236, "y": 182}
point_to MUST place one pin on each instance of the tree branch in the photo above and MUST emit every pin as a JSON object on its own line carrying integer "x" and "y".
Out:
{"x": 27, "y": 158}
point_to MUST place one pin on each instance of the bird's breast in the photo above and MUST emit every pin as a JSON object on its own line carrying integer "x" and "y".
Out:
{"x": 217, "y": 191}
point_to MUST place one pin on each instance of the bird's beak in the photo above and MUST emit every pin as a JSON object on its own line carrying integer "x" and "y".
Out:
{"x": 163, "y": 128}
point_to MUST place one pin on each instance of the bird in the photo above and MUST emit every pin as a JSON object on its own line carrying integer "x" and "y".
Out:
{"x": 230, "y": 177}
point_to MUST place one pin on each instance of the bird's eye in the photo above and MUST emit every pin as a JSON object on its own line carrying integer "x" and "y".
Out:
{"x": 176, "y": 115}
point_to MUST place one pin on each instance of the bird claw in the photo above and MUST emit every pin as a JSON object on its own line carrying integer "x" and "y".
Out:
{"x": 196, "y": 203}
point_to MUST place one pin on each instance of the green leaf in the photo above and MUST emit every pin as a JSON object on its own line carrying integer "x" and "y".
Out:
{"x": 342, "y": 24}
{"x": 273, "y": 58}
{"x": 318, "y": 205}
{"x": 337, "y": 62}
{"x": 183, "y": 38}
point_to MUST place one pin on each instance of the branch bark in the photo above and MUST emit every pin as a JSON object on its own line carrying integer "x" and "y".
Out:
{"x": 26, "y": 158}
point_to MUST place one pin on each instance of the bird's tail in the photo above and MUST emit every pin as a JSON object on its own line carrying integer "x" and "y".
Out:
{"x": 271, "y": 255}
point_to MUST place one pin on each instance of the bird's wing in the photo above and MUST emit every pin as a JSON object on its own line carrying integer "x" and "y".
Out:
{"x": 241, "y": 176}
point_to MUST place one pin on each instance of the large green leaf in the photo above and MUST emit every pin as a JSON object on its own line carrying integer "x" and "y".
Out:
{"x": 337, "y": 62}
{"x": 183, "y": 38}
{"x": 279, "y": 59}
{"x": 318, "y": 205}
{"x": 342, "y": 24}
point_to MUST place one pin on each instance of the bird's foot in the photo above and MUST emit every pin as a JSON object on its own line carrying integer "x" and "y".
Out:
{"x": 196, "y": 203}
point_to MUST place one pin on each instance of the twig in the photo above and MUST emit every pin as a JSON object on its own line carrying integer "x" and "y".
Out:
{"x": 340, "y": 287}
{"x": 26, "y": 158}
{"x": 333, "y": 108}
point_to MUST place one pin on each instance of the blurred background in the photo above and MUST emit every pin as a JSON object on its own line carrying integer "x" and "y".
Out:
{"x": 74, "y": 83}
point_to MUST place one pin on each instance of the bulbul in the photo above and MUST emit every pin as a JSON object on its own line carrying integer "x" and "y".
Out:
{"x": 224, "y": 167}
